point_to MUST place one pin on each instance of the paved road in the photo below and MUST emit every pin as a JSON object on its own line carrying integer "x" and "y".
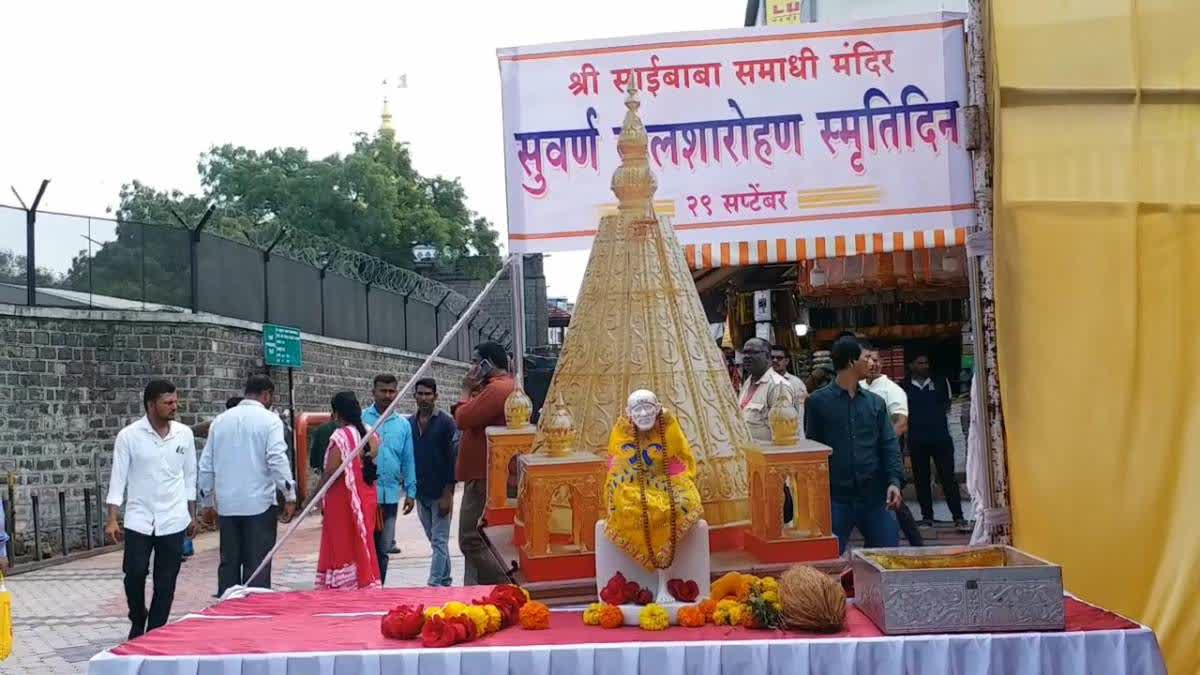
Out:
{"x": 64, "y": 615}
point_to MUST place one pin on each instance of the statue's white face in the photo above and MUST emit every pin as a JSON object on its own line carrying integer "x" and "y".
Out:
{"x": 643, "y": 409}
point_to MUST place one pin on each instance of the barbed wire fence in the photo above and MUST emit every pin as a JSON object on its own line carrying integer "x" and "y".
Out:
{"x": 266, "y": 272}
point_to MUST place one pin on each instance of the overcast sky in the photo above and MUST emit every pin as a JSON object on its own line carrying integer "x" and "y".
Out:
{"x": 97, "y": 94}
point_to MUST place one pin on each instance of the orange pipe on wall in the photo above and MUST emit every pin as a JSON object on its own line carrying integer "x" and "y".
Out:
{"x": 304, "y": 423}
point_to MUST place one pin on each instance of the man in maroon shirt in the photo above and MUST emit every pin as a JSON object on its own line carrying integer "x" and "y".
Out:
{"x": 485, "y": 390}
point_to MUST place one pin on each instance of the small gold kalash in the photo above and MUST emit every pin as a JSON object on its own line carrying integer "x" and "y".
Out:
{"x": 784, "y": 422}
{"x": 518, "y": 408}
{"x": 560, "y": 430}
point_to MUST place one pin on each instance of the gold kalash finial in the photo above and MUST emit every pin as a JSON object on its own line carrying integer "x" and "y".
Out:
{"x": 633, "y": 182}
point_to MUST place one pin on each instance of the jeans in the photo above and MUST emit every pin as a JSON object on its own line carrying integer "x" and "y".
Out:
{"x": 479, "y": 565}
{"x": 385, "y": 539}
{"x": 245, "y": 543}
{"x": 877, "y": 524}
{"x": 168, "y": 554}
{"x": 437, "y": 530}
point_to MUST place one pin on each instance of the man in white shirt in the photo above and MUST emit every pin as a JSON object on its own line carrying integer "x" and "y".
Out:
{"x": 762, "y": 390}
{"x": 244, "y": 462}
{"x": 897, "y": 406}
{"x": 780, "y": 361}
{"x": 154, "y": 474}
{"x": 891, "y": 393}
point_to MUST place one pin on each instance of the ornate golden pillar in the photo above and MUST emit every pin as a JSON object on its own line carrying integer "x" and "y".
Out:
{"x": 580, "y": 475}
{"x": 503, "y": 443}
{"x": 803, "y": 466}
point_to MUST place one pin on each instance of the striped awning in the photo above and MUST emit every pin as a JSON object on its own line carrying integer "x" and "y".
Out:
{"x": 782, "y": 251}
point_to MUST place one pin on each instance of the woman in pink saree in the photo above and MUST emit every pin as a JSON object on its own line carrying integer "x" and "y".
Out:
{"x": 347, "y": 560}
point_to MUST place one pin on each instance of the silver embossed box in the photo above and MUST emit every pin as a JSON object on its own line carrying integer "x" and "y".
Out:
{"x": 957, "y": 589}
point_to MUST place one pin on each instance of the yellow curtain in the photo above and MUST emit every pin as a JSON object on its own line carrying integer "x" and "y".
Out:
{"x": 1096, "y": 107}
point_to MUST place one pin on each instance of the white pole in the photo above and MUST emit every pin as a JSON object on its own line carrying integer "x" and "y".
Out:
{"x": 517, "y": 269}
{"x": 462, "y": 320}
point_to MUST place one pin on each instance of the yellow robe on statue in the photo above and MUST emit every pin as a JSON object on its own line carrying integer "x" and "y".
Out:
{"x": 665, "y": 462}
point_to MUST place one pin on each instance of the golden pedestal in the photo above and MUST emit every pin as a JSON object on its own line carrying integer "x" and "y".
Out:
{"x": 804, "y": 467}
{"x": 581, "y": 476}
{"x": 503, "y": 443}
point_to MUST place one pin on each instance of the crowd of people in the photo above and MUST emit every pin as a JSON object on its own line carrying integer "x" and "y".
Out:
{"x": 243, "y": 480}
{"x": 243, "y": 483}
{"x": 866, "y": 419}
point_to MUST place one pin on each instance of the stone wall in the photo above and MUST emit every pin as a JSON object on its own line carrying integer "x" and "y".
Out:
{"x": 71, "y": 379}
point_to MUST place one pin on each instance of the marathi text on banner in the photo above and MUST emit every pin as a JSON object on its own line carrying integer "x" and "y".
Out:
{"x": 755, "y": 134}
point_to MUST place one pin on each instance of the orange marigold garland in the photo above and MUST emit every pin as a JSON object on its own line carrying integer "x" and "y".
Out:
{"x": 709, "y": 607}
{"x": 691, "y": 616}
{"x": 733, "y": 585}
{"x": 534, "y": 616}
{"x": 611, "y": 617}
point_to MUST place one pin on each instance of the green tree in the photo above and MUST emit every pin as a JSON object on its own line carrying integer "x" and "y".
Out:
{"x": 12, "y": 270}
{"x": 371, "y": 200}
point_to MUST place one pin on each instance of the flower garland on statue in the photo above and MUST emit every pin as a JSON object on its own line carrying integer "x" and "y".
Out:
{"x": 642, "y": 473}
{"x": 456, "y": 622}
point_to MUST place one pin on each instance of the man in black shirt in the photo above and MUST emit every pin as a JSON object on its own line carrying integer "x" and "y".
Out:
{"x": 318, "y": 442}
{"x": 435, "y": 449}
{"x": 865, "y": 474}
{"x": 929, "y": 439}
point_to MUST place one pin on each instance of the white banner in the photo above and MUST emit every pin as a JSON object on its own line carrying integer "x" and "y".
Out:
{"x": 767, "y": 142}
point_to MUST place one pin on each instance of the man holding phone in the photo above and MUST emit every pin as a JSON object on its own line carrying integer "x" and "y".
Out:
{"x": 485, "y": 390}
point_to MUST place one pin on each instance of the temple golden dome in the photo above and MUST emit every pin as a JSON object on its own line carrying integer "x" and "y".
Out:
{"x": 386, "y": 126}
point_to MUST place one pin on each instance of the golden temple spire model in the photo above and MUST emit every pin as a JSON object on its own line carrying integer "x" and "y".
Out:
{"x": 639, "y": 324}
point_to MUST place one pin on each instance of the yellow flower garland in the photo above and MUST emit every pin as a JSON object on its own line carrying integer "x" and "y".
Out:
{"x": 479, "y": 617}
{"x": 725, "y": 615}
{"x": 653, "y": 617}
{"x": 494, "y": 618}
{"x": 591, "y": 615}
{"x": 453, "y": 608}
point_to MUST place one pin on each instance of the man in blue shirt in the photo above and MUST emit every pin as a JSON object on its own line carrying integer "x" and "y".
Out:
{"x": 865, "y": 474}
{"x": 435, "y": 449}
{"x": 397, "y": 473}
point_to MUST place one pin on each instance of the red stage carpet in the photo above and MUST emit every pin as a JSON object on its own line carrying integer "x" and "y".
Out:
{"x": 285, "y": 632}
{"x": 296, "y": 622}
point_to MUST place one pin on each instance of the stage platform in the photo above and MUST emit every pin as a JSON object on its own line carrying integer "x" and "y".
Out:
{"x": 309, "y": 632}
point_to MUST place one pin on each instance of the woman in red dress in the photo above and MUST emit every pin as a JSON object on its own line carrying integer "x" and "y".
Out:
{"x": 347, "y": 559}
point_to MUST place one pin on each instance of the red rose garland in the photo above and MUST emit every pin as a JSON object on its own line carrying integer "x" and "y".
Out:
{"x": 403, "y": 622}
{"x": 455, "y": 622}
